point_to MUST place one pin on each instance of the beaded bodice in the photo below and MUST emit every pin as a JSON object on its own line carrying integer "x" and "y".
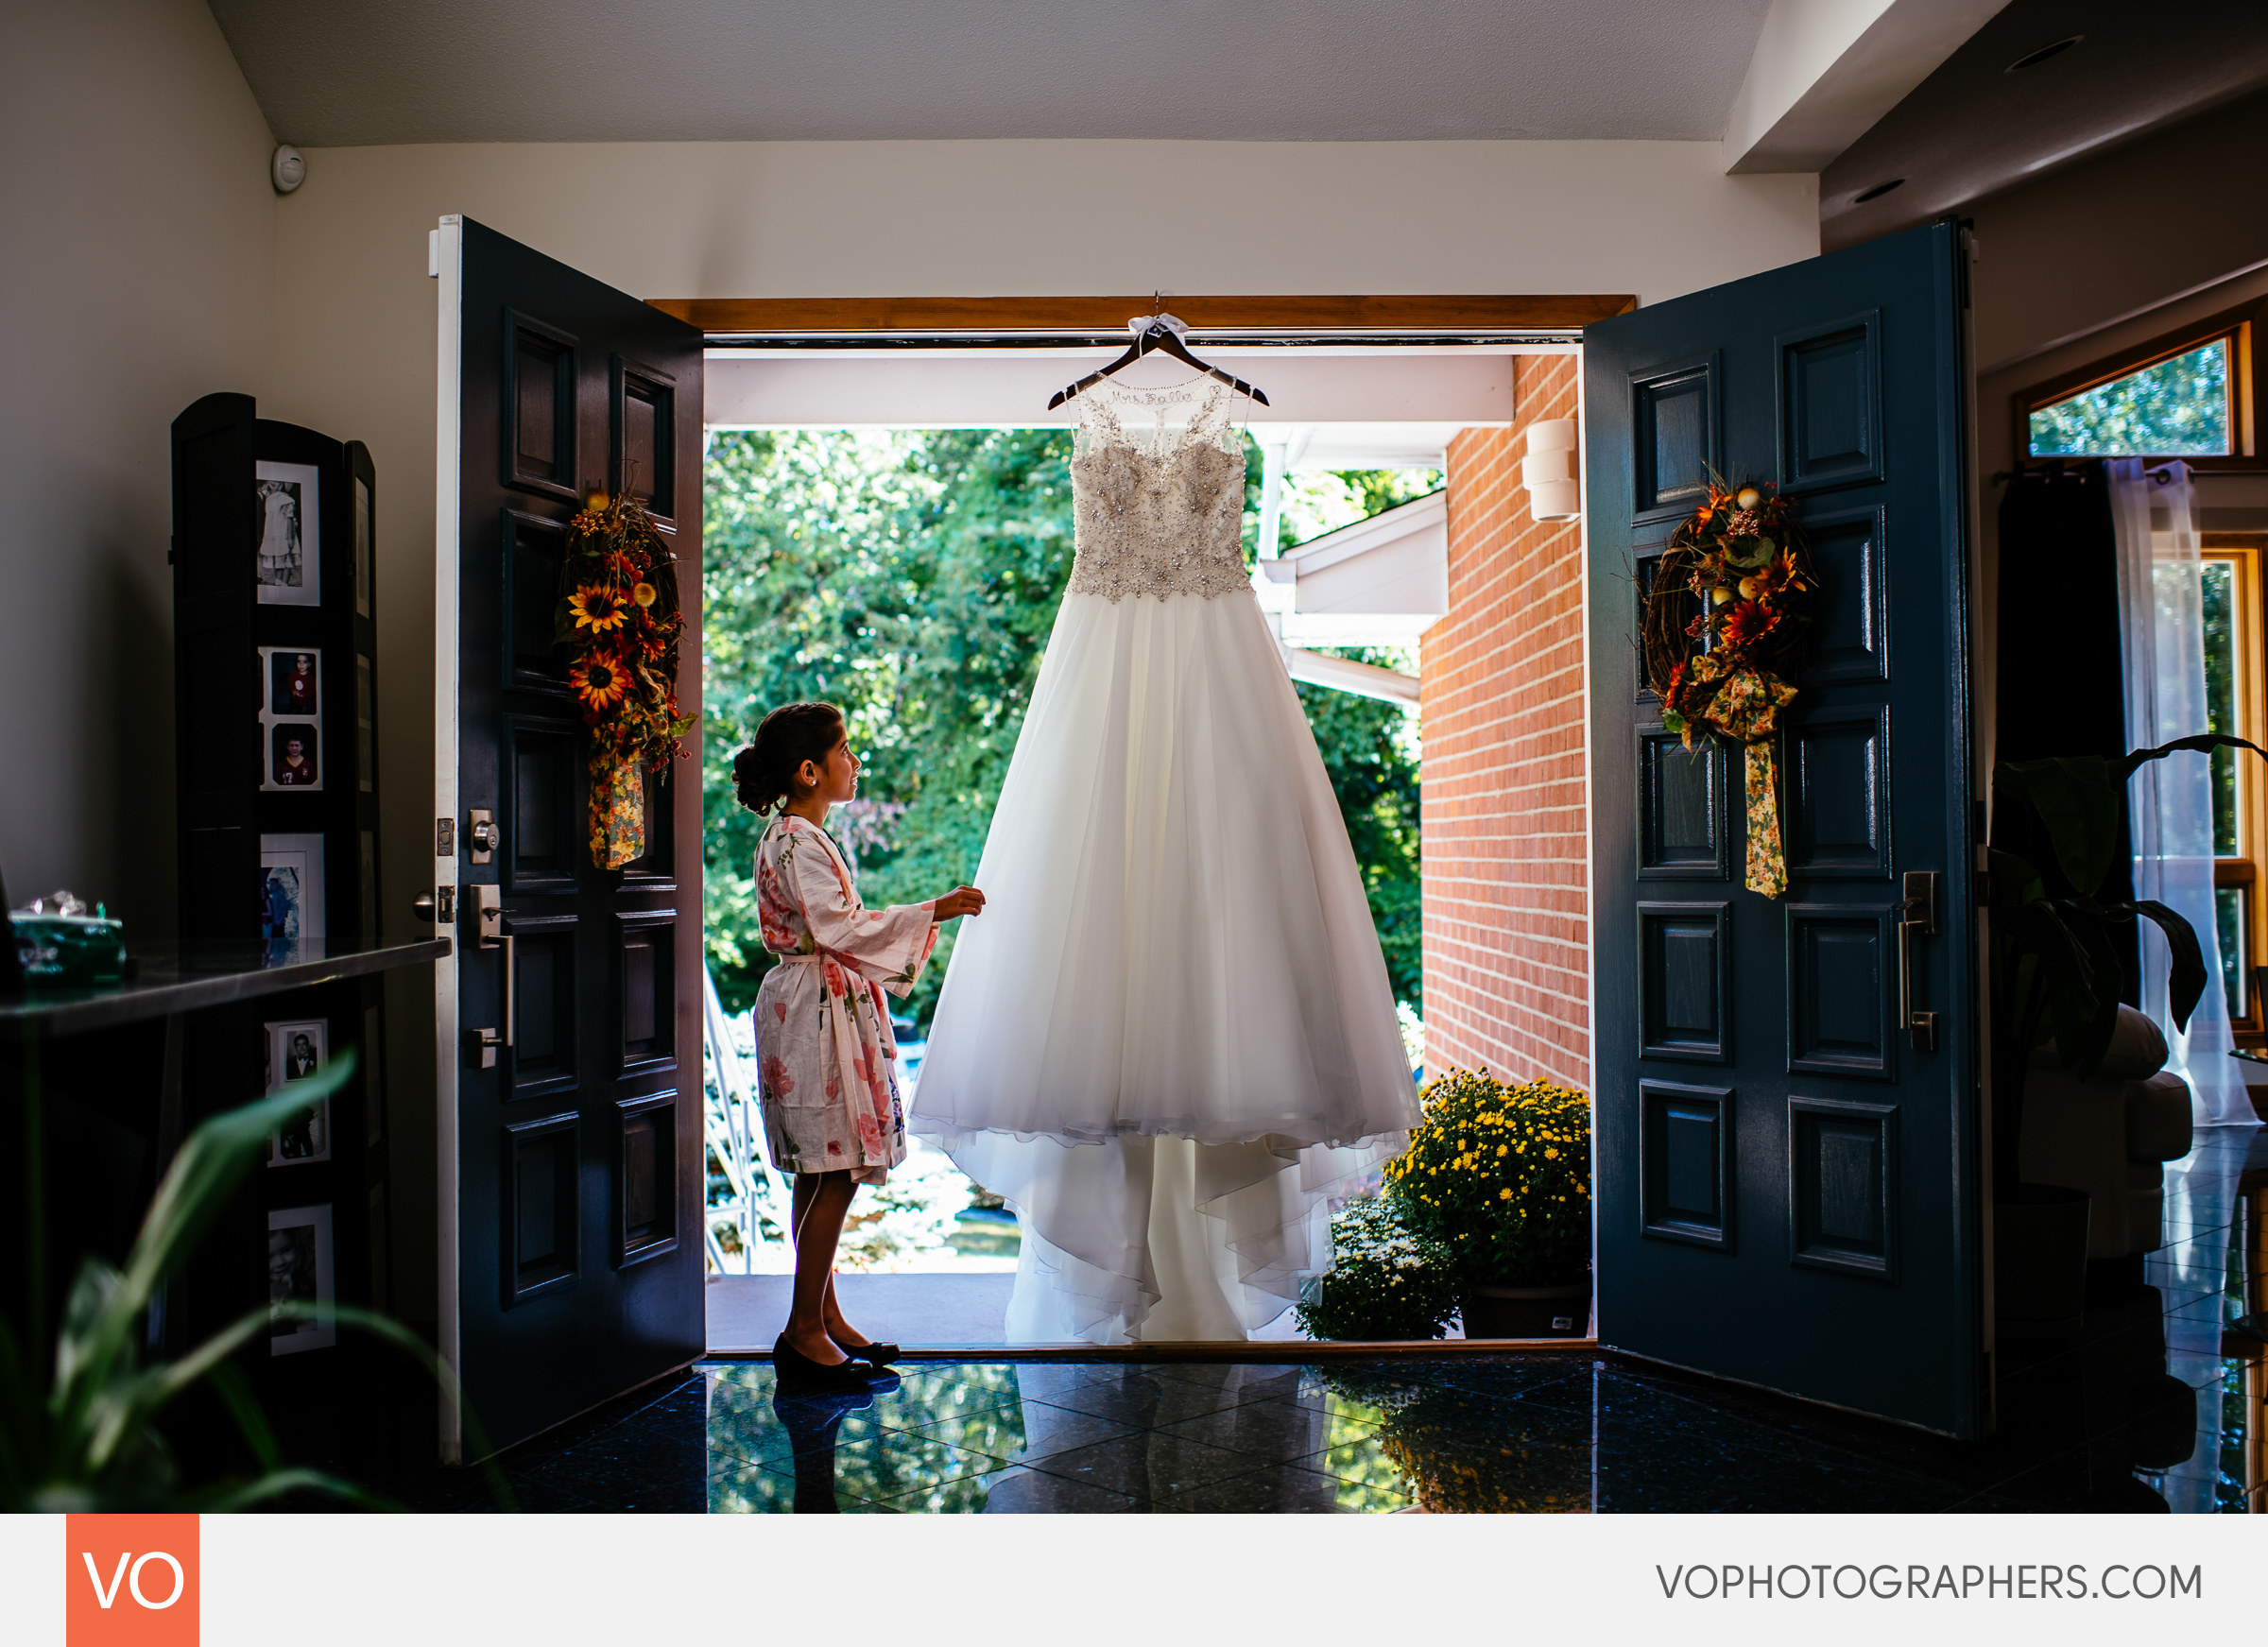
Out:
{"x": 1160, "y": 510}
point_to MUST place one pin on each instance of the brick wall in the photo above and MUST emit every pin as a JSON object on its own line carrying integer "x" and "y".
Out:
{"x": 1508, "y": 934}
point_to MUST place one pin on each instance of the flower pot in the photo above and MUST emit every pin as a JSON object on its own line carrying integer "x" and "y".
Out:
{"x": 1526, "y": 1312}
{"x": 2040, "y": 1259}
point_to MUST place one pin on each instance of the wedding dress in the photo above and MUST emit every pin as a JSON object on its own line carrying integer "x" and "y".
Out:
{"x": 1170, "y": 1036}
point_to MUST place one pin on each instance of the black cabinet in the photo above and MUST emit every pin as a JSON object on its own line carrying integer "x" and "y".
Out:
{"x": 276, "y": 704}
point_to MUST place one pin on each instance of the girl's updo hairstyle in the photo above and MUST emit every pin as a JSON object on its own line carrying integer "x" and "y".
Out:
{"x": 765, "y": 772}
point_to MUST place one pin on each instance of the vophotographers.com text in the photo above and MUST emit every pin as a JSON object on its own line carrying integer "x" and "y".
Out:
{"x": 1887, "y": 1581}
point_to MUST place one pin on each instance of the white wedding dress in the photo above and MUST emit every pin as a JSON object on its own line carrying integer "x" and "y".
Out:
{"x": 1170, "y": 1034}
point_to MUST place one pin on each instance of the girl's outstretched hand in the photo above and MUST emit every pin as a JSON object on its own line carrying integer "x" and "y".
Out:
{"x": 960, "y": 901}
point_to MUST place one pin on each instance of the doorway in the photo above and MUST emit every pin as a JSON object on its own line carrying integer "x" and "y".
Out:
{"x": 1794, "y": 374}
{"x": 874, "y": 464}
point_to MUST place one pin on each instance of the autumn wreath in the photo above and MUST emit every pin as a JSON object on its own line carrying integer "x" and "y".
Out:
{"x": 1727, "y": 619}
{"x": 618, "y": 626}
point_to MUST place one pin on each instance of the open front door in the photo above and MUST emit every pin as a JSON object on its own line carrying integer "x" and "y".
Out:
{"x": 569, "y": 1018}
{"x": 1788, "y": 1175}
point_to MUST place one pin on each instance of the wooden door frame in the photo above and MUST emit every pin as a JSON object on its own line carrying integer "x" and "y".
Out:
{"x": 852, "y": 317}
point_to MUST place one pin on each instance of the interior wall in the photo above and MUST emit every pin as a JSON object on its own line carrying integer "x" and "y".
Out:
{"x": 2089, "y": 262}
{"x": 1502, "y": 777}
{"x": 2110, "y": 237}
{"x": 137, "y": 273}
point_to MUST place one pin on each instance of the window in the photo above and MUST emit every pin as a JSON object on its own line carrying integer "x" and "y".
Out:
{"x": 2177, "y": 409}
{"x": 2233, "y": 687}
{"x": 2187, "y": 394}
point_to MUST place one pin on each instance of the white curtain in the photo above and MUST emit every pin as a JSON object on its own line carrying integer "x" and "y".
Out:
{"x": 2162, "y": 603}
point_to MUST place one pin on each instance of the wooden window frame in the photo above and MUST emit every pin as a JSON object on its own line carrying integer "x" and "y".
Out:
{"x": 1487, "y": 312}
{"x": 2248, "y": 641}
{"x": 2243, "y": 327}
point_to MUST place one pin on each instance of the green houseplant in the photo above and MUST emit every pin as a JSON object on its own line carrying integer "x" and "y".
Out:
{"x": 79, "y": 1420}
{"x": 2055, "y": 977}
{"x": 1499, "y": 1176}
{"x": 1385, "y": 1282}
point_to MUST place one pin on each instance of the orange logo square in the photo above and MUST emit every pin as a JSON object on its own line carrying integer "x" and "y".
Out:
{"x": 130, "y": 1581}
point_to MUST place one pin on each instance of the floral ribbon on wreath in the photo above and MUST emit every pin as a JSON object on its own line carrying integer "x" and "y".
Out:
{"x": 1721, "y": 669}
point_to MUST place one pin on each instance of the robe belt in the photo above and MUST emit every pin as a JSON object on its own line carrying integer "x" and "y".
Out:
{"x": 851, "y": 1058}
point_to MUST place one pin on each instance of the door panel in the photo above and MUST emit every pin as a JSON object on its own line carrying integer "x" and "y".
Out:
{"x": 1682, "y": 833}
{"x": 1788, "y": 1183}
{"x": 1684, "y": 960}
{"x": 1675, "y": 420}
{"x": 1831, "y": 416}
{"x": 1685, "y": 1163}
{"x": 1841, "y": 991}
{"x": 571, "y": 1144}
{"x": 1838, "y": 791}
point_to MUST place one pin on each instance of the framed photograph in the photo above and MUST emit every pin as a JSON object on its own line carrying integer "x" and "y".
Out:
{"x": 289, "y": 569}
{"x": 298, "y": 1272}
{"x": 295, "y": 1049}
{"x": 294, "y": 676}
{"x": 291, "y": 898}
{"x": 294, "y": 756}
{"x": 363, "y": 569}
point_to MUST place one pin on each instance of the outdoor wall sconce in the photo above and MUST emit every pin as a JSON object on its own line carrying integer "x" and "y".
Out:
{"x": 1547, "y": 472}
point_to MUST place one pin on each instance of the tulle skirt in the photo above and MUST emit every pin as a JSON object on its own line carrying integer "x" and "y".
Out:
{"x": 1170, "y": 1037}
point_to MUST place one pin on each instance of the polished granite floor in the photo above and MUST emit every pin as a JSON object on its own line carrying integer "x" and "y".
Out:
{"x": 2154, "y": 1405}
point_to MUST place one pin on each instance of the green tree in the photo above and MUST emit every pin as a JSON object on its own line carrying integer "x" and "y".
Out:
{"x": 1369, "y": 751}
{"x": 2178, "y": 407}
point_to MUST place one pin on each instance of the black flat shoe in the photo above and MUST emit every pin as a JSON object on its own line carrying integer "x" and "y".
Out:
{"x": 880, "y": 1354}
{"x": 792, "y": 1367}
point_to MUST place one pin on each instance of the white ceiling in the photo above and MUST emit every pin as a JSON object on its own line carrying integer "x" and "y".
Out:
{"x": 554, "y": 70}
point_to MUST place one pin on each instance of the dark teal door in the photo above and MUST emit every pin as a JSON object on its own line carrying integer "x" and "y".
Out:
{"x": 1788, "y": 1173}
{"x": 571, "y": 1090}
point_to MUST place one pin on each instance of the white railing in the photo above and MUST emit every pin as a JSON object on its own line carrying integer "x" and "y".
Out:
{"x": 734, "y": 1138}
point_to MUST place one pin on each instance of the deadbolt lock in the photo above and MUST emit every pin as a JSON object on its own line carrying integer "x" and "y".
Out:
{"x": 480, "y": 835}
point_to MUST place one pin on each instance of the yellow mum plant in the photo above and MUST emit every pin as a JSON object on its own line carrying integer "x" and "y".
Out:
{"x": 1500, "y": 1178}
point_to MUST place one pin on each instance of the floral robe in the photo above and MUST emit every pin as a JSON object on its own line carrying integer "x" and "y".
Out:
{"x": 825, "y": 1054}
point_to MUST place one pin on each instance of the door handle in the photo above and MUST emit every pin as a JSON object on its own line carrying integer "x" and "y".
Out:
{"x": 488, "y": 910}
{"x": 1917, "y": 919}
{"x": 511, "y": 989}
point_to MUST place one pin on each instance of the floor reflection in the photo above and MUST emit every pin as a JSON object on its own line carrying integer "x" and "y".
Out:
{"x": 2154, "y": 1405}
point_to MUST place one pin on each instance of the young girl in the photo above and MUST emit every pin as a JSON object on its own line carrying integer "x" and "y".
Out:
{"x": 832, "y": 1114}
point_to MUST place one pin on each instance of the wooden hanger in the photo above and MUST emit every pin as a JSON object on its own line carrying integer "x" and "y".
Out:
{"x": 1163, "y": 334}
